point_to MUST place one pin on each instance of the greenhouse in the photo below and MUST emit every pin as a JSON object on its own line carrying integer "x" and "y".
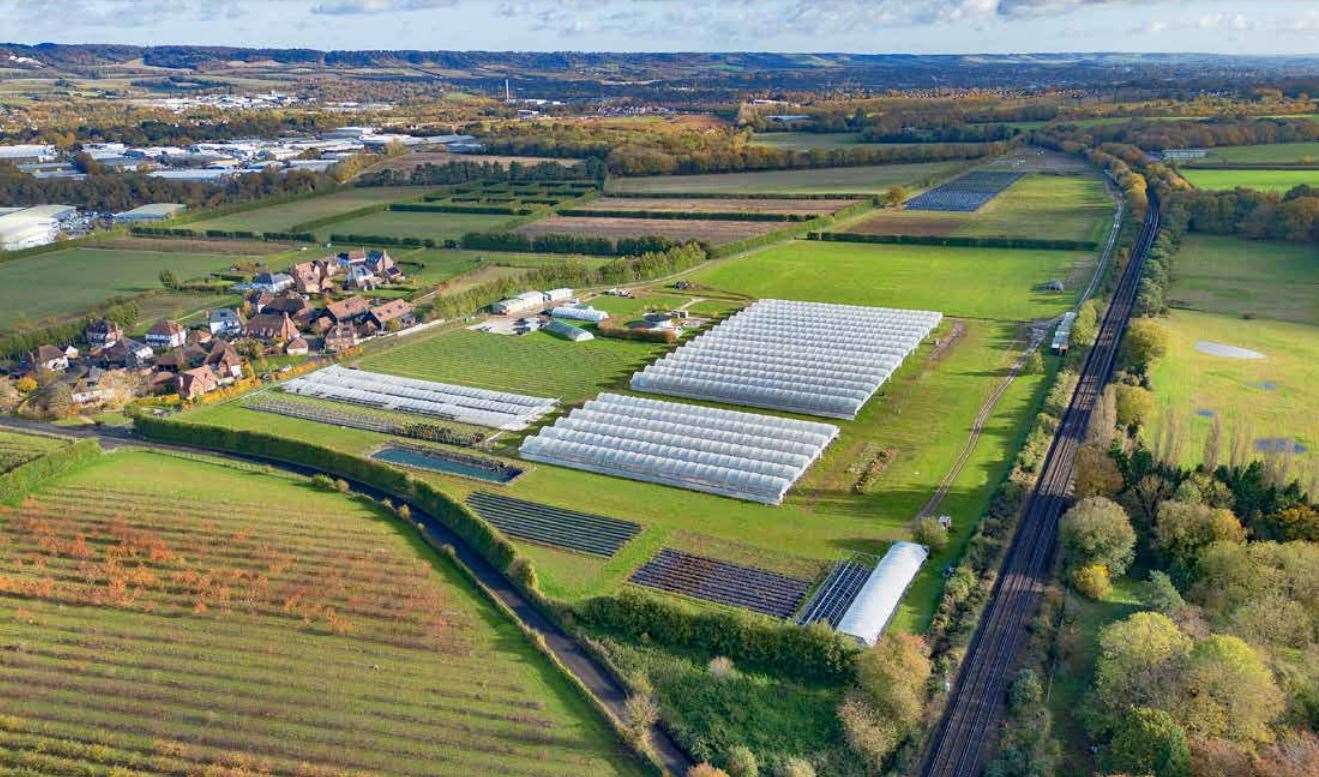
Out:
{"x": 725, "y": 452}
{"x": 878, "y": 599}
{"x": 579, "y": 313}
{"x": 481, "y": 407}
{"x": 568, "y": 331}
{"x": 805, "y": 357}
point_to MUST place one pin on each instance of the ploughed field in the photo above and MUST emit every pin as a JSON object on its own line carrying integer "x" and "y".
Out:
{"x": 710, "y": 231}
{"x": 719, "y": 205}
{"x": 170, "y": 616}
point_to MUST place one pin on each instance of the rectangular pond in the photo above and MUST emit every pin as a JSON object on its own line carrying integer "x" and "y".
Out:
{"x": 448, "y": 463}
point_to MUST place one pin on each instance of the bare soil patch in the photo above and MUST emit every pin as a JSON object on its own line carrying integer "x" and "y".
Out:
{"x": 713, "y": 232}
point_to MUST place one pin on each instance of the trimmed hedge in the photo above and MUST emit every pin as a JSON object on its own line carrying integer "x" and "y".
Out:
{"x": 310, "y": 224}
{"x": 566, "y": 244}
{"x": 744, "y": 196}
{"x": 1001, "y": 241}
{"x": 685, "y": 215}
{"x": 430, "y": 207}
{"x": 222, "y": 234}
{"x": 22, "y": 480}
{"x": 814, "y": 653}
{"x": 384, "y": 240}
{"x": 779, "y": 235}
{"x": 609, "y": 328}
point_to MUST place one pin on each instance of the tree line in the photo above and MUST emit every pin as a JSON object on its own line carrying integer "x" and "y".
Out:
{"x": 1293, "y": 216}
{"x": 475, "y": 169}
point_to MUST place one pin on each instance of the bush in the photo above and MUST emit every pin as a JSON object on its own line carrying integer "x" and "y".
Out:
{"x": 893, "y": 675}
{"x": 721, "y": 668}
{"x": 641, "y": 713}
{"x": 742, "y": 762}
{"x": 341, "y": 486}
{"x": 929, "y": 532}
{"x": 1135, "y": 405}
{"x": 795, "y": 767}
{"x": 1092, "y": 580}
{"x": 705, "y": 770}
{"x": 323, "y": 481}
{"x": 1148, "y": 741}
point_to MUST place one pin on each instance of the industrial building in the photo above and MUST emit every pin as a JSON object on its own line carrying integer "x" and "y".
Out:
{"x": 30, "y": 227}
{"x": 28, "y": 153}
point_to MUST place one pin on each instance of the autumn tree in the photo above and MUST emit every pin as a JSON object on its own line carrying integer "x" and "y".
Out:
{"x": 1230, "y": 692}
{"x": 893, "y": 675}
{"x": 1182, "y": 530}
{"x": 1145, "y": 342}
{"x": 1096, "y": 474}
{"x": 1134, "y": 405}
{"x": 1148, "y": 741}
{"x": 1097, "y": 531}
{"x": 1140, "y": 662}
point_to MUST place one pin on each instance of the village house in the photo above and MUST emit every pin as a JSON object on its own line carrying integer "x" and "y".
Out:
{"x": 128, "y": 353}
{"x": 196, "y": 383}
{"x": 272, "y": 328}
{"x": 103, "y": 333}
{"x": 225, "y": 322}
{"x": 96, "y": 387}
{"x": 314, "y": 277}
{"x": 297, "y": 347}
{"x": 341, "y": 337}
{"x": 166, "y": 334}
{"x": 397, "y": 310}
{"x": 225, "y": 361}
{"x": 382, "y": 265}
{"x": 199, "y": 336}
{"x": 48, "y": 357}
{"x": 258, "y": 299}
{"x": 180, "y": 359}
{"x": 271, "y": 282}
{"x": 347, "y": 310}
{"x": 289, "y": 302}
{"x": 360, "y": 277}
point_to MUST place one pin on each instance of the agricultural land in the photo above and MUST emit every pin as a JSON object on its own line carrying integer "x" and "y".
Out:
{"x": 1279, "y": 181}
{"x": 285, "y": 216}
{"x": 861, "y": 180}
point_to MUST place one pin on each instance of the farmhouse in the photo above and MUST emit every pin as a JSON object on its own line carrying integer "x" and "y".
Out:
{"x": 196, "y": 383}
{"x": 155, "y": 212}
{"x": 271, "y": 327}
{"x": 224, "y": 322}
{"x": 103, "y": 333}
{"x": 271, "y": 282}
{"x": 166, "y": 334}
{"x": 395, "y": 310}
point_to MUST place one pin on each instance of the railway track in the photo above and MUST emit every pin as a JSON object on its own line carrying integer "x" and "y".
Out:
{"x": 960, "y": 744}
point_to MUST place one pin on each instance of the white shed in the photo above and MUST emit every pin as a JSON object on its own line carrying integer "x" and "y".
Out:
{"x": 878, "y": 598}
{"x": 558, "y": 295}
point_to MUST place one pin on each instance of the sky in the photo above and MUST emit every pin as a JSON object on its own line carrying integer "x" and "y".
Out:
{"x": 860, "y": 26}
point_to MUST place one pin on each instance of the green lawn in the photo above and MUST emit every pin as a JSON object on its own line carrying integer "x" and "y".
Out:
{"x": 17, "y": 448}
{"x": 1222, "y": 280}
{"x": 280, "y": 218}
{"x": 1275, "y": 153}
{"x": 539, "y": 363}
{"x": 436, "y": 226}
{"x": 62, "y": 283}
{"x": 268, "y": 627}
{"x": 872, "y": 180}
{"x": 1068, "y": 207}
{"x": 1265, "y": 180}
{"x": 626, "y": 309}
{"x": 993, "y": 283}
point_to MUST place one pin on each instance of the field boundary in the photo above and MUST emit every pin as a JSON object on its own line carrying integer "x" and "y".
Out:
{"x": 31, "y": 475}
{"x": 959, "y": 241}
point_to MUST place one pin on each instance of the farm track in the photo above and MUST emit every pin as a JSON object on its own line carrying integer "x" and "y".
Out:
{"x": 959, "y": 745}
{"x": 598, "y": 680}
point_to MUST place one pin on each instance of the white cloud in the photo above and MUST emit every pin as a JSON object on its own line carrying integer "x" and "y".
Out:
{"x": 351, "y": 7}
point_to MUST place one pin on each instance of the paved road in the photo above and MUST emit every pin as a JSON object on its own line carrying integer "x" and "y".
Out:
{"x": 592, "y": 674}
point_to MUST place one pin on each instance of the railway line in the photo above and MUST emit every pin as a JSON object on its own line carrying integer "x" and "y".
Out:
{"x": 960, "y": 744}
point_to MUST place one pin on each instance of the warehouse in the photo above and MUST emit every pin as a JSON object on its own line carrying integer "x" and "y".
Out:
{"x": 878, "y": 599}
{"x": 31, "y": 227}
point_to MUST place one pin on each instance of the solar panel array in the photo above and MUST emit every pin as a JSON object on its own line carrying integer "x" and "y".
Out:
{"x": 718, "y": 581}
{"x": 497, "y": 409}
{"x": 965, "y": 194}
{"x": 567, "y": 529}
{"x": 726, "y": 452}
{"x": 805, "y": 357}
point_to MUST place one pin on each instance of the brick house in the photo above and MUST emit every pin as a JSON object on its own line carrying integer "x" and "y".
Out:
{"x": 395, "y": 310}
{"x": 271, "y": 328}
{"x": 348, "y": 310}
{"x": 341, "y": 338}
{"x": 166, "y": 334}
{"x": 196, "y": 382}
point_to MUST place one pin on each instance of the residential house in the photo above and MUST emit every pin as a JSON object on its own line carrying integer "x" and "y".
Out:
{"x": 96, "y": 386}
{"x": 347, "y": 259}
{"x": 395, "y": 310}
{"x": 196, "y": 383}
{"x": 347, "y": 310}
{"x": 382, "y": 266}
{"x": 180, "y": 359}
{"x": 314, "y": 277}
{"x": 166, "y": 334}
{"x": 259, "y": 299}
{"x": 289, "y": 302}
{"x": 225, "y": 361}
{"x": 128, "y": 353}
{"x": 297, "y": 347}
{"x": 360, "y": 277}
{"x": 71, "y": 353}
{"x": 48, "y": 357}
{"x": 341, "y": 338}
{"x": 103, "y": 333}
{"x": 272, "y": 328}
{"x": 271, "y": 282}
{"x": 225, "y": 322}
{"x": 199, "y": 336}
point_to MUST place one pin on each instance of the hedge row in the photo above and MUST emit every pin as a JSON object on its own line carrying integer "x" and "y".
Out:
{"x": 610, "y": 328}
{"x": 428, "y": 207}
{"x": 223, "y": 234}
{"x": 310, "y": 224}
{"x": 685, "y": 215}
{"x": 29, "y": 476}
{"x": 779, "y": 235}
{"x": 1000, "y": 241}
{"x": 125, "y": 314}
{"x": 566, "y": 244}
{"x": 743, "y": 196}
{"x": 813, "y": 653}
{"x": 384, "y": 240}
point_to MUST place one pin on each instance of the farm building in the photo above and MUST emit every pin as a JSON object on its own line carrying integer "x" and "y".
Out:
{"x": 1062, "y": 336}
{"x": 526, "y": 302}
{"x": 878, "y": 599}
{"x": 568, "y": 331}
{"x": 155, "y": 212}
{"x": 556, "y": 296}
{"x": 579, "y": 313}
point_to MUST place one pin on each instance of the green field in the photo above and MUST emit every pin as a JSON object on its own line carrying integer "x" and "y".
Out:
{"x": 1222, "y": 281}
{"x": 65, "y": 282}
{"x": 1278, "y": 181}
{"x": 16, "y": 448}
{"x": 994, "y": 283}
{"x": 806, "y": 140}
{"x": 1275, "y": 153}
{"x": 625, "y": 308}
{"x": 867, "y": 180}
{"x": 281, "y": 218}
{"x": 236, "y": 622}
{"x": 1066, "y": 207}
{"x": 436, "y": 226}
{"x": 539, "y": 363}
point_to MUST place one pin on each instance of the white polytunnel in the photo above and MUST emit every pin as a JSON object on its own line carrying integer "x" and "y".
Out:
{"x": 878, "y": 599}
{"x": 725, "y": 452}
{"x": 805, "y": 357}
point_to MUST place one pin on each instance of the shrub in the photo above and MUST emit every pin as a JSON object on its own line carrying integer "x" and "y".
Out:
{"x": 341, "y": 486}
{"x": 795, "y": 767}
{"x": 641, "y": 713}
{"x": 742, "y": 762}
{"x": 869, "y": 733}
{"x": 323, "y": 481}
{"x": 1026, "y": 691}
{"x": 930, "y": 533}
{"x": 705, "y": 770}
{"x": 721, "y": 668}
{"x": 893, "y": 675}
{"x": 1093, "y": 581}
{"x": 1148, "y": 741}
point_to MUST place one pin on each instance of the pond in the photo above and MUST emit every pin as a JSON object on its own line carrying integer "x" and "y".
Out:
{"x": 448, "y": 463}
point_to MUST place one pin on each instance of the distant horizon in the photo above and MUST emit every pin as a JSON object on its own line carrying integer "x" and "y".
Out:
{"x": 926, "y": 27}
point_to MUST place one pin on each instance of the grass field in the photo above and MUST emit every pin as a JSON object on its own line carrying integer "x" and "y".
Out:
{"x": 191, "y": 618}
{"x": 16, "y": 448}
{"x": 1275, "y": 153}
{"x": 1265, "y": 180}
{"x": 711, "y": 231}
{"x": 279, "y": 218}
{"x": 1220, "y": 280}
{"x": 871, "y": 180}
{"x": 624, "y": 308}
{"x": 539, "y": 363}
{"x": 1068, "y": 207}
{"x": 42, "y": 286}
{"x": 437, "y": 226}
{"x": 806, "y": 140}
{"x": 993, "y": 283}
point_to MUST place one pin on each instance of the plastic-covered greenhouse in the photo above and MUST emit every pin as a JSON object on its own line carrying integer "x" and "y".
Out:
{"x": 878, "y": 599}
{"x": 805, "y": 357}
{"x": 497, "y": 409}
{"x": 579, "y": 313}
{"x": 726, "y": 452}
